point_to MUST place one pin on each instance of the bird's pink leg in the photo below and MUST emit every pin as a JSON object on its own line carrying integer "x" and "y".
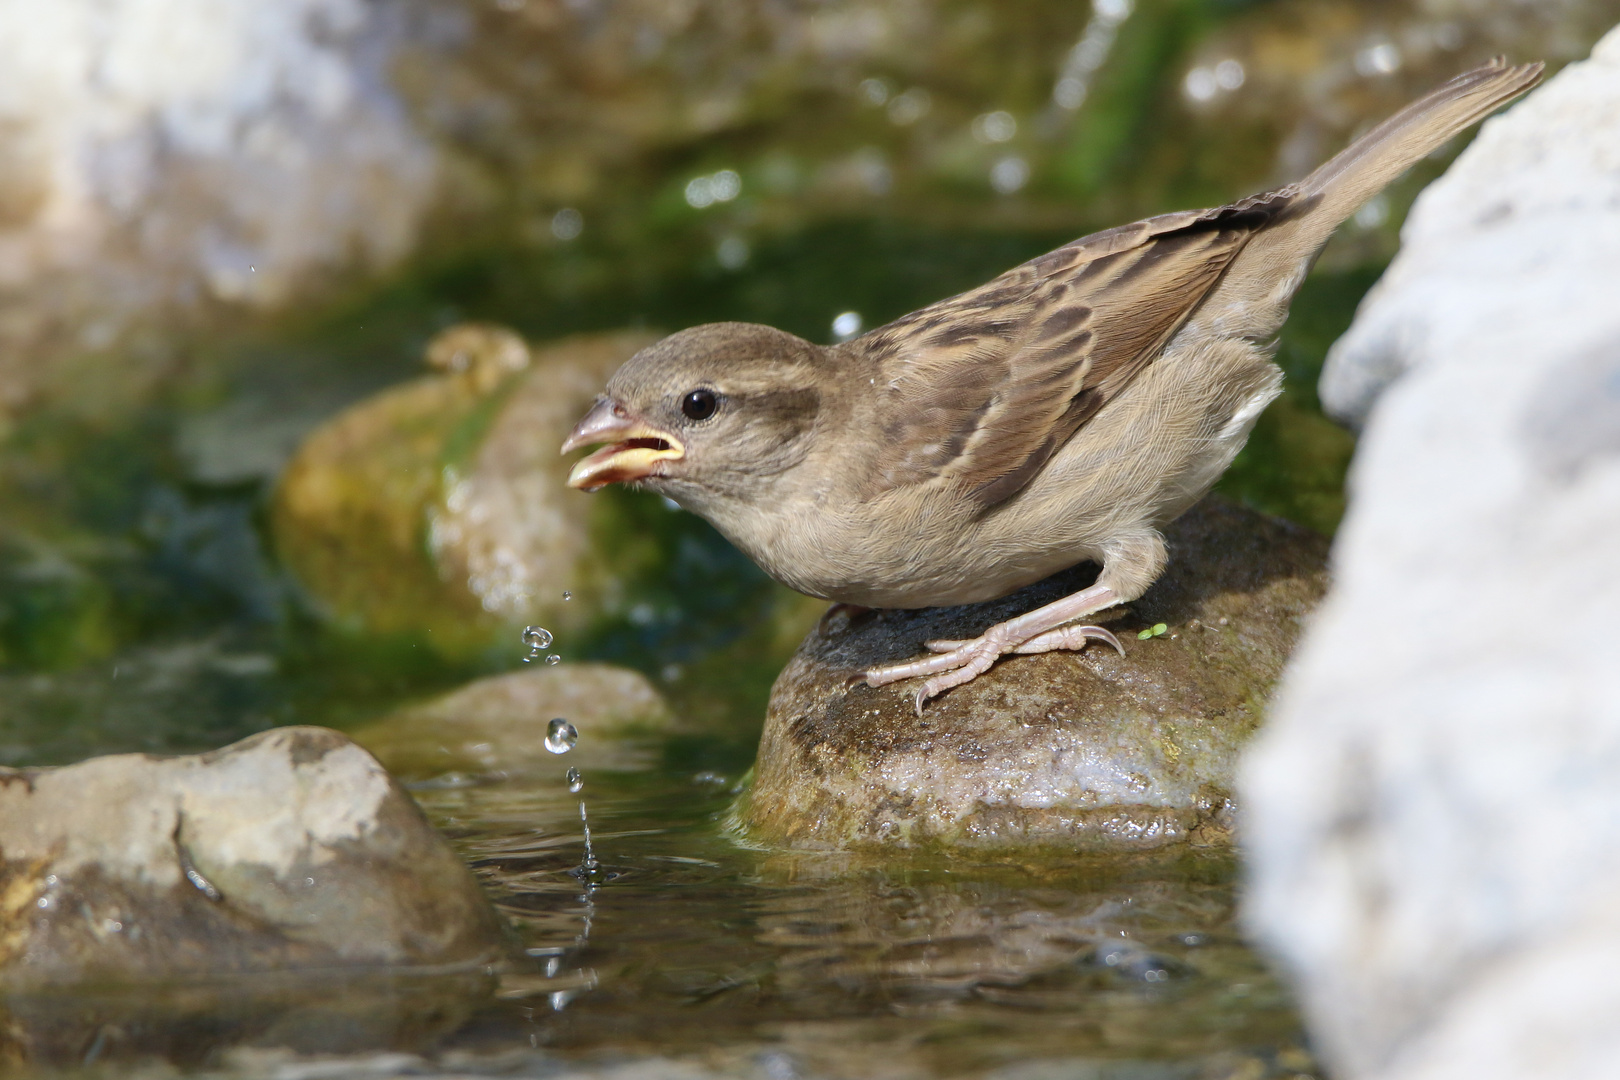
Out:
{"x": 969, "y": 659}
{"x": 1073, "y": 636}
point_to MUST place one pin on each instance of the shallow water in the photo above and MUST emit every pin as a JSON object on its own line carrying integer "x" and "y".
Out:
{"x": 687, "y": 944}
{"x": 687, "y": 953}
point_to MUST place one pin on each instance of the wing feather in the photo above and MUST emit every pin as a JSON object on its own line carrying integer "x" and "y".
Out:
{"x": 983, "y": 388}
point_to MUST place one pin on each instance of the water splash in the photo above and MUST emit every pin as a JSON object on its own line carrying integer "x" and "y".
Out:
{"x": 561, "y": 736}
{"x": 590, "y": 864}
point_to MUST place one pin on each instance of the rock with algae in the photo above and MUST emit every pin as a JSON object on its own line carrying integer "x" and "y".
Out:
{"x": 290, "y": 849}
{"x": 441, "y": 504}
{"x": 1087, "y": 749}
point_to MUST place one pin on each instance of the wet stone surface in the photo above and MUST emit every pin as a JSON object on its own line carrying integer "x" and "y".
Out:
{"x": 501, "y": 724}
{"x": 1063, "y": 748}
{"x": 291, "y": 849}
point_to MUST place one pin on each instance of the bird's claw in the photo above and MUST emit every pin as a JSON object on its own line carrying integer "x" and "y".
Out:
{"x": 1098, "y": 633}
{"x": 956, "y": 662}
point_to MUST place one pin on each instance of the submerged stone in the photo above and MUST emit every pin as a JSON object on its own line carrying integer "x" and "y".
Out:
{"x": 291, "y": 849}
{"x": 500, "y": 723}
{"x": 1088, "y": 749}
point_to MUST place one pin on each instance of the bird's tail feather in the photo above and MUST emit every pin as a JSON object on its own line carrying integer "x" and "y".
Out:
{"x": 1264, "y": 276}
{"x": 1366, "y": 166}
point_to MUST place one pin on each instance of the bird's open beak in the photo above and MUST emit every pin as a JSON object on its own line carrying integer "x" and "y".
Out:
{"x": 634, "y": 447}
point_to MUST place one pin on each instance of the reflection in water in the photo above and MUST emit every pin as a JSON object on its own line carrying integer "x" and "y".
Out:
{"x": 684, "y": 943}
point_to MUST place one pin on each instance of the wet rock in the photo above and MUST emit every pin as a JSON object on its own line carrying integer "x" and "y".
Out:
{"x": 1089, "y": 749}
{"x": 508, "y": 529}
{"x": 1433, "y": 811}
{"x": 290, "y": 849}
{"x": 441, "y": 504}
{"x": 500, "y": 723}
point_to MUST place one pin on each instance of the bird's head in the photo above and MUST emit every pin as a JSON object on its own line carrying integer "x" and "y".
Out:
{"x": 713, "y": 412}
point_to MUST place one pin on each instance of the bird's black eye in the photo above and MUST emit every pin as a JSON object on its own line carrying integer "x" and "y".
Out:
{"x": 699, "y": 404}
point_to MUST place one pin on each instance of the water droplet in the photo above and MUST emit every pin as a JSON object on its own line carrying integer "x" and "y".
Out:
{"x": 575, "y": 781}
{"x": 567, "y": 595}
{"x": 561, "y": 736}
{"x": 538, "y": 639}
{"x": 553, "y": 659}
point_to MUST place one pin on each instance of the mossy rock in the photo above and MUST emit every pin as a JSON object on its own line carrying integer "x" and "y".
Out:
{"x": 1087, "y": 750}
{"x": 441, "y": 506}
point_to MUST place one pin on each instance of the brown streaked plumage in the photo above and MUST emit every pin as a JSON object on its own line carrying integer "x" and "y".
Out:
{"x": 1066, "y": 410}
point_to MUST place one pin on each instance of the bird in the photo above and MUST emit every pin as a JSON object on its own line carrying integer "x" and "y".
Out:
{"x": 1065, "y": 411}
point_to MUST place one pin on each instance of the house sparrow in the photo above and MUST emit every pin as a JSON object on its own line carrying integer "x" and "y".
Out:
{"x": 1066, "y": 410}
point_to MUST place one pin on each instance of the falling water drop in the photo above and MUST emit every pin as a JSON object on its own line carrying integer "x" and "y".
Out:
{"x": 567, "y": 595}
{"x": 575, "y": 781}
{"x": 538, "y": 639}
{"x": 561, "y": 736}
{"x": 553, "y": 659}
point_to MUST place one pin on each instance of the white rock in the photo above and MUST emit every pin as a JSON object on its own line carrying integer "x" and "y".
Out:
{"x": 1433, "y": 814}
{"x": 1525, "y": 218}
{"x": 155, "y": 150}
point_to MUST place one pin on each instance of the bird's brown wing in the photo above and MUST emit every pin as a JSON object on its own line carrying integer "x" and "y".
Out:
{"x": 981, "y": 389}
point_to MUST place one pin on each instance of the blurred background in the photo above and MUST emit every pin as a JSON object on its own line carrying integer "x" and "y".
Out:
{"x": 222, "y": 224}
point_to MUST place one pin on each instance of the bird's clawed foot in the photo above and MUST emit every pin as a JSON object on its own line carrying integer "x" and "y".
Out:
{"x": 958, "y": 662}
